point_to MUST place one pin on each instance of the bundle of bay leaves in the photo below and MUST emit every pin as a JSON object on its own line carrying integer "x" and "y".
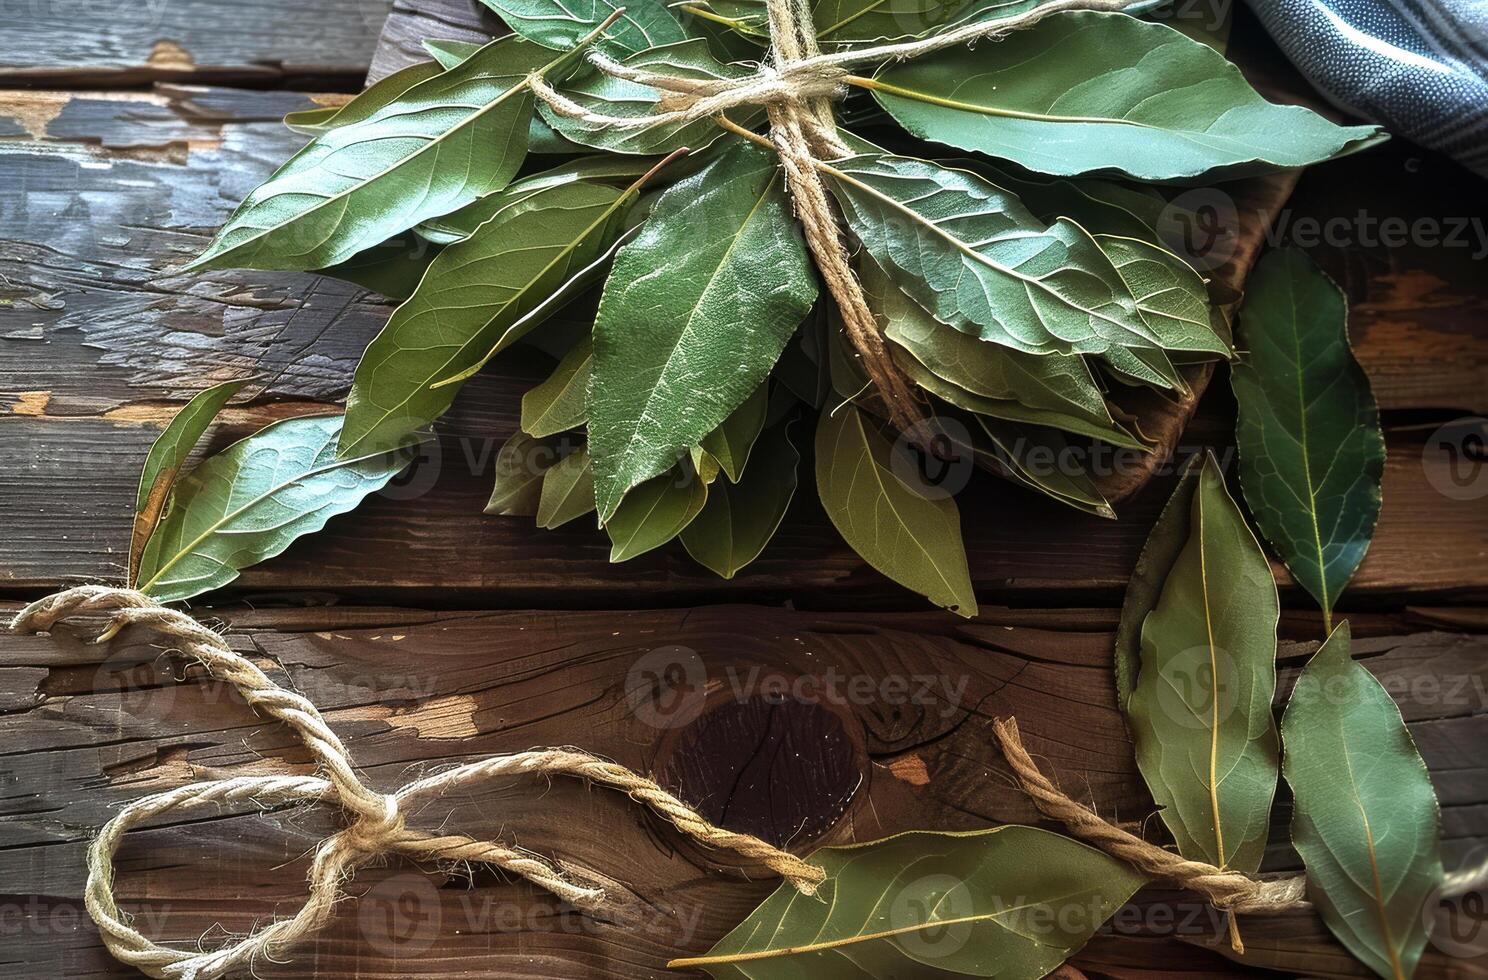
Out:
{"x": 1000, "y": 203}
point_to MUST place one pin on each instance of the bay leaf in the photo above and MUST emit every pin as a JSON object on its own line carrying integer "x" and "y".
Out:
{"x": 695, "y": 313}
{"x": 253, "y": 499}
{"x": 557, "y": 404}
{"x": 561, "y": 24}
{"x": 593, "y": 168}
{"x": 607, "y": 95}
{"x": 731, "y": 442}
{"x": 521, "y": 463}
{"x": 1099, "y": 205}
{"x": 655, "y": 512}
{"x": 1200, "y": 712}
{"x": 567, "y": 490}
{"x": 1010, "y": 902}
{"x": 914, "y": 540}
{"x": 738, "y": 521}
{"x": 1059, "y": 384}
{"x": 469, "y": 302}
{"x": 1160, "y": 552}
{"x": 368, "y": 101}
{"x": 163, "y": 463}
{"x": 1038, "y": 457}
{"x": 1311, "y": 453}
{"x": 364, "y": 182}
{"x": 1365, "y": 817}
{"x": 1087, "y": 92}
{"x": 972, "y": 255}
{"x": 1170, "y": 295}
{"x": 449, "y": 53}
{"x": 392, "y": 268}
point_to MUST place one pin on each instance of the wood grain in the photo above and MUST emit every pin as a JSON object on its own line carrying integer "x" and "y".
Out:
{"x": 910, "y": 698}
{"x": 120, "y": 42}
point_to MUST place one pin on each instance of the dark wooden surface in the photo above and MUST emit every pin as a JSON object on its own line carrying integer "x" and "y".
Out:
{"x": 430, "y": 633}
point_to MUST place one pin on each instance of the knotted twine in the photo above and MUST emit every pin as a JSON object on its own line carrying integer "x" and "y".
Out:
{"x": 796, "y": 89}
{"x": 375, "y": 824}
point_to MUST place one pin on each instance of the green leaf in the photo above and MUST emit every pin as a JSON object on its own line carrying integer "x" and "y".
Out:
{"x": 738, "y": 521}
{"x": 847, "y": 21}
{"x": 520, "y": 465}
{"x": 449, "y": 53}
{"x": 557, "y": 404}
{"x": 913, "y": 540}
{"x": 567, "y": 491}
{"x": 997, "y": 380}
{"x": 602, "y": 93}
{"x": 1101, "y": 207}
{"x": 166, "y": 457}
{"x": 1311, "y": 453}
{"x": 1170, "y": 295}
{"x": 655, "y": 512}
{"x": 731, "y": 442}
{"x": 474, "y": 299}
{"x": 1200, "y": 713}
{"x": 372, "y": 98}
{"x": 695, "y": 313}
{"x": 1010, "y": 902}
{"x": 560, "y": 24}
{"x": 364, "y": 182}
{"x": 1034, "y": 455}
{"x": 971, "y": 254}
{"x": 1160, "y": 553}
{"x": 1365, "y": 818}
{"x": 595, "y": 169}
{"x": 1085, "y": 92}
{"x": 392, "y": 268}
{"x": 252, "y": 500}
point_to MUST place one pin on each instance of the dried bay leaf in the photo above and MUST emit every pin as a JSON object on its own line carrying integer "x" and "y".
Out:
{"x": 976, "y": 259}
{"x": 557, "y": 404}
{"x": 1011, "y": 902}
{"x": 1164, "y": 543}
{"x": 469, "y": 303}
{"x": 1365, "y": 817}
{"x": 252, "y": 500}
{"x": 696, "y": 311}
{"x": 1087, "y": 92}
{"x": 520, "y": 465}
{"x": 738, "y": 521}
{"x": 1200, "y": 711}
{"x": 1311, "y": 453}
{"x": 561, "y": 24}
{"x": 913, "y": 539}
{"x": 372, "y": 98}
{"x": 362, "y": 183}
{"x": 655, "y": 512}
{"x": 163, "y": 464}
{"x": 731, "y": 442}
{"x": 567, "y": 491}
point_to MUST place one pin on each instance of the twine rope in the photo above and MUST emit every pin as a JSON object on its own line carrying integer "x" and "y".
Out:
{"x": 375, "y": 825}
{"x": 796, "y": 89}
{"x": 1229, "y": 891}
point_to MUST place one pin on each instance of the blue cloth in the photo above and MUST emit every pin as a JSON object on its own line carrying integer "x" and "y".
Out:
{"x": 1417, "y": 67}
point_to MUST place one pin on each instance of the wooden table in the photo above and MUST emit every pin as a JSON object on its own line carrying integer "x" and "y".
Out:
{"x": 429, "y": 633}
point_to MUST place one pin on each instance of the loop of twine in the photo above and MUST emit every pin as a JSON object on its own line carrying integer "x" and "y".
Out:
{"x": 1229, "y": 891}
{"x": 376, "y": 826}
{"x": 796, "y": 92}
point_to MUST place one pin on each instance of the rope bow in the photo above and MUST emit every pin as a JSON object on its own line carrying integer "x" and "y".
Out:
{"x": 375, "y": 826}
{"x": 796, "y": 90}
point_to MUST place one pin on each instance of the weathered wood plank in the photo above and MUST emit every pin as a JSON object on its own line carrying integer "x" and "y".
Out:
{"x": 905, "y": 699}
{"x": 129, "y": 41}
